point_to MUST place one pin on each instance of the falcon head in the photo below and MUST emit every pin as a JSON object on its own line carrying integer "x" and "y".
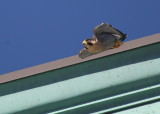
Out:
{"x": 92, "y": 45}
{"x": 88, "y": 43}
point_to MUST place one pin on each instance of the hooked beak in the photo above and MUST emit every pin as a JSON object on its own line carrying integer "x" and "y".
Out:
{"x": 84, "y": 42}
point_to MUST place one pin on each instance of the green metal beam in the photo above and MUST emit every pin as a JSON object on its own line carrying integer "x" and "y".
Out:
{"x": 143, "y": 95}
{"x": 152, "y": 108}
{"x": 93, "y": 86}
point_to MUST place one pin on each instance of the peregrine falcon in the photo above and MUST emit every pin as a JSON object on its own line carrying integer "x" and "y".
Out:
{"x": 105, "y": 37}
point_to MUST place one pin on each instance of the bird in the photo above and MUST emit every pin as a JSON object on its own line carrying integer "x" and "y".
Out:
{"x": 105, "y": 37}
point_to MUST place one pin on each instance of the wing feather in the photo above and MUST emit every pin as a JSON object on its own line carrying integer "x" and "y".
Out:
{"x": 84, "y": 53}
{"x": 106, "y": 28}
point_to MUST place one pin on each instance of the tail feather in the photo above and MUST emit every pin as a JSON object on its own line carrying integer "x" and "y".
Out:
{"x": 84, "y": 53}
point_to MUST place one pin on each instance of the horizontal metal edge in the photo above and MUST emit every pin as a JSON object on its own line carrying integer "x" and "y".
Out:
{"x": 130, "y": 103}
{"x": 75, "y": 59}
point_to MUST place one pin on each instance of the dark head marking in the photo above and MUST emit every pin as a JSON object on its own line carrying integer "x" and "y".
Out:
{"x": 89, "y": 43}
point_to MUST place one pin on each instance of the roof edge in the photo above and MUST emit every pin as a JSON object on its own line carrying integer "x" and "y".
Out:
{"x": 148, "y": 40}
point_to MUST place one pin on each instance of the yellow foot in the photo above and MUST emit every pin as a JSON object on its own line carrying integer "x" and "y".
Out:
{"x": 119, "y": 43}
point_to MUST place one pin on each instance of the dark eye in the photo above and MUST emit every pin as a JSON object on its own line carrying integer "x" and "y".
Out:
{"x": 89, "y": 43}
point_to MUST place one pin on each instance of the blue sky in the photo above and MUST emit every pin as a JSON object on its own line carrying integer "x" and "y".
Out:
{"x": 34, "y": 32}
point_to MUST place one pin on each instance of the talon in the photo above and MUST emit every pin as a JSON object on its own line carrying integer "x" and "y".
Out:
{"x": 119, "y": 43}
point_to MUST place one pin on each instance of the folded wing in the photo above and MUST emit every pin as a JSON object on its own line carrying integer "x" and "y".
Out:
{"x": 105, "y": 28}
